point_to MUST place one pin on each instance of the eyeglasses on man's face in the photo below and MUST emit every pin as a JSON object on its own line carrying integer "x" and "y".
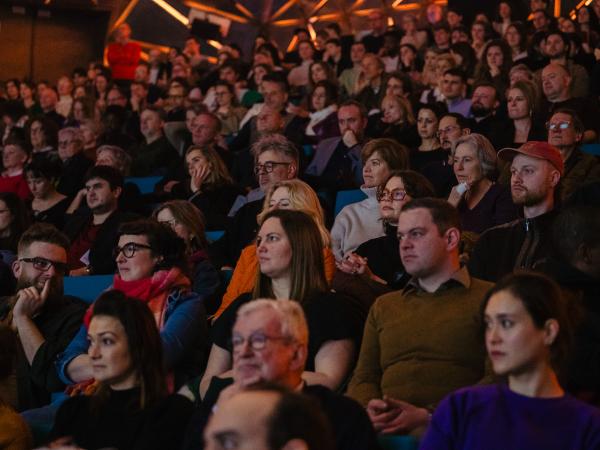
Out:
{"x": 554, "y": 126}
{"x": 129, "y": 250}
{"x": 268, "y": 166}
{"x": 256, "y": 341}
{"x": 43, "y": 264}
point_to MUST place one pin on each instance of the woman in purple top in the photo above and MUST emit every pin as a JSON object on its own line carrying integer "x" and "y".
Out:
{"x": 480, "y": 201}
{"x": 526, "y": 335}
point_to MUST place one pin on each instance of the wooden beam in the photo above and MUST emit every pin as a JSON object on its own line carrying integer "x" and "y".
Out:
{"x": 216, "y": 11}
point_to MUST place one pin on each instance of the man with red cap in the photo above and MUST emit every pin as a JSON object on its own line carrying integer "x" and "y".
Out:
{"x": 536, "y": 169}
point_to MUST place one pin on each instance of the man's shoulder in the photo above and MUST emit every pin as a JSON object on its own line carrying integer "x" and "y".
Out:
{"x": 503, "y": 229}
{"x": 330, "y": 142}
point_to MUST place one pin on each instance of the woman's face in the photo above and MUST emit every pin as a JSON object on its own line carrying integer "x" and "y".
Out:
{"x": 441, "y": 66}
{"x": 37, "y": 135}
{"x": 375, "y": 170}
{"x": 567, "y": 26}
{"x": 259, "y": 73}
{"x": 430, "y": 59}
{"x": 12, "y": 91}
{"x": 273, "y": 249}
{"x": 494, "y": 56}
{"x": 504, "y": 10}
{"x": 280, "y": 199}
{"x": 223, "y": 96}
{"x": 40, "y": 187}
{"x": 78, "y": 111}
{"x": 25, "y": 91}
{"x": 196, "y": 161}
{"x": 109, "y": 353}
{"x": 514, "y": 344}
{"x": 512, "y": 37}
{"x": 189, "y": 119}
{"x": 427, "y": 124}
{"x": 478, "y": 33}
{"x": 392, "y": 112}
{"x": 101, "y": 83}
{"x": 517, "y": 104}
{"x": 141, "y": 264}
{"x": 408, "y": 25}
{"x": 319, "y": 98}
{"x": 388, "y": 207}
{"x": 466, "y": 165}
{"x": 317, "y": 73}
{"x": 13, "y": 157}
{"x": 79, "y": 92}
{"x": 6, "y": 218}
{"x": 165, "y": 217}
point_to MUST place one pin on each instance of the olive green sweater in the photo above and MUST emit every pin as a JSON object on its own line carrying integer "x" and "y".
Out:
{"x": 420, "y": 346}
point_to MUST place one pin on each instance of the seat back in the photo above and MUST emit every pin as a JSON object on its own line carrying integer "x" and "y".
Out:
{"x": 145, "y": 184}
{"x": 87, "y": 288}
{"x": 344, "y": 198}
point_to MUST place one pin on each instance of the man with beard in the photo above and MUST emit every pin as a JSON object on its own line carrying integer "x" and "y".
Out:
{"x": 44, "y": 319}
{"x": 93, "y": 234}
{"x": 484, "y": 112}
{"x": 536, "y": 169}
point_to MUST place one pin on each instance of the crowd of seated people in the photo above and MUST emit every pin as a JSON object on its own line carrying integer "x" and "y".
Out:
{"x": 454, "y": 300}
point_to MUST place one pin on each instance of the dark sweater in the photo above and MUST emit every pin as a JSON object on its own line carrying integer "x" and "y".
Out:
{"x": 495, "y": 208}
{"x": 119, "y": 424}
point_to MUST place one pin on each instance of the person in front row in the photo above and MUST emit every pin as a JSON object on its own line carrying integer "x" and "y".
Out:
{"x": 421, "y": 343}
{"x": 131, "y": 408}
{"x": 526, "y": 334}
{"x": 270, "y": 344}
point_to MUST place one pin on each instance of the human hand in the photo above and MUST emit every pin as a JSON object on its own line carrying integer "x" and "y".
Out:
{"x": 458, "y": 192}
{"x": 198, "y": 176}
{"x": 30, "y": 301}
{"x": 403, "y": 417}
{"x": 380, "y": 413}
{"x": 169, "y": 185}
{"x": 349, "y": 138}
{"x": 352, "y": 264}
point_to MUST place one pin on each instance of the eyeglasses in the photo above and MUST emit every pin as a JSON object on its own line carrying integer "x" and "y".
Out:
{"x": 43, "y": 264}
{"x": 171, "y": 223}
{"x": 63, "y": 143}
{"x": 268, "y": 166}
{"x": 129, "y": 249}
{"x": 446, "y": 130}
{"x": 553, "y": 126}
{"x": 397, "y": 195}
{"x": 257, "y": 341}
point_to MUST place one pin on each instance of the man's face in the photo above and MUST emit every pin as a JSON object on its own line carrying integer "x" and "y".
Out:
{"x": 449, "y": 131}
{"x": 484, "y": 101}
{"x": 555, "y": 82}
{"x": 114, "y": 97}
{"x": 305, "y": 51}
{"x": 204, "y": 130}
{"x": 150, "y": 124}
{"x": 228, "y": 74}
{"x": 269, "y": 121}
{"x": 395, "y": 87}
{"x": 423, "y": 249}
{"x": 176, "y": 96}
{"x": 377, "y": 21}
{"x": 48, "y": 99}
{"x": 452, "y": 87}
{"x": 68, "y": 146}
{"x": 138, "y": 91}
{"x": 333, "y": 49}
{"x": 555, "y": 46}
{"x": 141, "y": 73}
{"x": 357, "y": 52}
{"x": 240, "y": 422}
{"x": 275, "y": 97}
{"x": 28, "y": 275}
{"x": 562, "y": 138}
{"x": 539, "y": 21}
{"x": 100, "y": 197}
{"x": 441, "y": 37}
{"x": 532, "y": 180}
{"x": 280, "y": 172}
{"x": 453, "y": 18}
{"x": 275, "y": 362}
{"x": 371, "y": 68}
{"x": 350, "y": 118}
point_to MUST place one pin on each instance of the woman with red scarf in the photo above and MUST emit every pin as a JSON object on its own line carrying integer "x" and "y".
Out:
{"x": 152, "y": 266}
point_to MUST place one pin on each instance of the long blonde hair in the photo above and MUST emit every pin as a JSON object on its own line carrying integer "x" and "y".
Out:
{"x": 302, "y": 198}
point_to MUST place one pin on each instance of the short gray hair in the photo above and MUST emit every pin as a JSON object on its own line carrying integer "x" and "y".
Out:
{"x": 121, "y": 157}
{"x": 276, "y": 143}
{"x": 75, "y": 133}
{"x": 486, "y": 154}
{"x": 291, "y": 316}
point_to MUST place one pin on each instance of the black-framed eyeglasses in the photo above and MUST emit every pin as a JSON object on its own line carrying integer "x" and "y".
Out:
{"x": 130, "y": 249}
{"x": 397, "y": 195}
{"x": 257, "y": 341}
{"x": 43, "y": 264}
{"x": 553, "y": 126}
{"x": 268, "y": 166}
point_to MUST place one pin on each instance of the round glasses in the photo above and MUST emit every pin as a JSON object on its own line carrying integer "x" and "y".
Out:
{"x": 130, "y": 249}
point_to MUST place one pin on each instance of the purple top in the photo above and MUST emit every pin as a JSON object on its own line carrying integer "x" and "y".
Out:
{"x": 496, "y": 418}
{"x": 495, "y": 208}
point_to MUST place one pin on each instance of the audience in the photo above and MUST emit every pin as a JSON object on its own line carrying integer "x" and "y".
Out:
{"x": 228, "y": 136}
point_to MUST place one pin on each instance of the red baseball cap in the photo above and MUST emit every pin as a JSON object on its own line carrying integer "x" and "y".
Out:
{"x": 536, "y": 149}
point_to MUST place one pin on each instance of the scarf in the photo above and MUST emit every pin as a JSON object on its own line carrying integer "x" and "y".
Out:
{"x": 317, "y": 117}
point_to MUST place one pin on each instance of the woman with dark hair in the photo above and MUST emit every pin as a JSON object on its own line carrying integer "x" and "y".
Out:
{"x": 14, "y": 220}
{"x": 378, "y": 258}
{"x": 465, "y": 58}
{"x": 82, "y": 109}
{"x": 48, "y": 205}
{"x": 481, "y": 33}
{"x": 43, "y": 136}
{"x": 152, "y": 266}
{"x": 503, "y": 17}
{"x": 516, "y": 38}
{"x": 27, "y": 92}
{"x": 358, "y": 222}
{"x": 228, "y": 110}
{"x": 495, "y": 65}
{"x": 188, "y": 222}
{"x": 291, "y": 266}
{"x": 481, "y": 202}
{"x": 131, "y": 407}
{"x": 323, "y": 123}
{"x": 210, "y": 187}
{"x": 527, "y": 335}
{"x": 429, "y": 150}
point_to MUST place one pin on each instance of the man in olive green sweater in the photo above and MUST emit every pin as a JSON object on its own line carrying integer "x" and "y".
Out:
{"x": 424, "y": 341}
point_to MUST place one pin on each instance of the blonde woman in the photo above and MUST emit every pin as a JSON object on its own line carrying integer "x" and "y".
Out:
{"x": 289, "y": 194}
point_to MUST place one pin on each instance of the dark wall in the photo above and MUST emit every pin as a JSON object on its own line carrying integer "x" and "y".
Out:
{"x": 39, "y": 47}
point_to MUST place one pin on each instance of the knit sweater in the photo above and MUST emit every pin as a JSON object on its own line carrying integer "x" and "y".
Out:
{"x": 419, "y": 346}
{"x": 356, "y": 223}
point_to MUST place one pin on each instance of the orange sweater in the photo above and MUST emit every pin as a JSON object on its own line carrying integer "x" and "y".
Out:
{"x": 244, "y": 274}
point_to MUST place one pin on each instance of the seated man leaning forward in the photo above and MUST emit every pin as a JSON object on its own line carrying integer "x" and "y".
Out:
{"x": 422, "y": 342}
